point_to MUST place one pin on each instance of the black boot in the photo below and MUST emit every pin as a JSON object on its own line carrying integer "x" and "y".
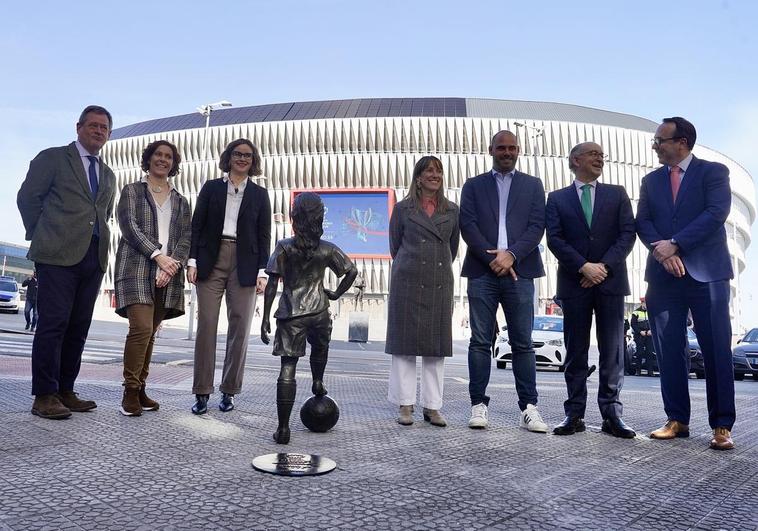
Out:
{"x": 317, "y": 371}
{"x": 201, "y": 405}
{"x": 285, "y": 399}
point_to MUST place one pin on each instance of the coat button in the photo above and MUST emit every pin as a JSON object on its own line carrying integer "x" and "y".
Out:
{"x": 439, "y": 264}
{"x": 422, "y": 286}
{"x": 439, "y": 286}
{"x": 91, "y": 223}
{"x": 423, "y": 262}
{"x": 423, "y": 241}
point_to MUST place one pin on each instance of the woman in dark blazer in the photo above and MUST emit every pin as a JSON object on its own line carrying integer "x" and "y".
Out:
{"x": 155, "y": 239}
{"x": 424, "y": 238}
{"x": 231, "y": 239}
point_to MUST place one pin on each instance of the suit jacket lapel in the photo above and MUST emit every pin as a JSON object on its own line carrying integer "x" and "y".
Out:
{"x": 78, "y": 166}
{"x": 574, "y": 200}
{"x": 600, "y": 199}
{"x": 420, "y": 218}
{"x": 692, "y": 173}
{"x": 247, "y": 197}
{"x": 493, "y": 200}
{"x": 516, "y": 184}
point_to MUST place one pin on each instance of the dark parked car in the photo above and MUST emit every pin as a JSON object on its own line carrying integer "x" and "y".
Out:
{"x": 745, "y": 356}
{"x": 696, "y": 355}
{"x": 632, "y": 362}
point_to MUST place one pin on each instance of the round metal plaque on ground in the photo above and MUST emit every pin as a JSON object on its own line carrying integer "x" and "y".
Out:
{"x": 291, "y": 464}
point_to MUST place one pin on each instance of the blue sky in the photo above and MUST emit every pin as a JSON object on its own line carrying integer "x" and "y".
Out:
{"x": 144, "y": 60}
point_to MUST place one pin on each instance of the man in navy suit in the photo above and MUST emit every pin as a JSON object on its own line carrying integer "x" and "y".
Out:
{"x": 502, "y": 220}
{"x": 680, "y": 218}
{"x": 590, "y": 230}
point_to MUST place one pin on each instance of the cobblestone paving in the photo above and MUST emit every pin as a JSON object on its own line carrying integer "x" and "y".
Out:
{"x": 171, "y": 470}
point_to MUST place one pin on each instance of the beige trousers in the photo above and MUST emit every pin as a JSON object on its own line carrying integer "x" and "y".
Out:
{"x": 240, "y": 301}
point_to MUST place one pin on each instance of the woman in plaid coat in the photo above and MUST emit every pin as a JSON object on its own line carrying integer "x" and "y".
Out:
{"x": 154, "y": 219}
{"x": 424, "y": 238}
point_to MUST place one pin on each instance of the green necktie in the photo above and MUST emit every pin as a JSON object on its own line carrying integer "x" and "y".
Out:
{"x": 587, "y": 203}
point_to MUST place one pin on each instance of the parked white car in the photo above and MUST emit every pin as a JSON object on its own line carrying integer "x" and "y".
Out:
{"x": 10, "y": 299}
{"x": 547, "y": 339}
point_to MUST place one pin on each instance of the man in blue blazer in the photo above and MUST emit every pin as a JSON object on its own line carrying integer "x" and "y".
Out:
{"x": 590, "y": 230}
{"x": 680, "y": 218}
{"x": 502, "y": 221}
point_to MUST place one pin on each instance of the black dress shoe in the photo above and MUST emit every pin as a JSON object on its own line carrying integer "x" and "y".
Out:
{"x": 201, "y": 405}
{"x": 570, "y": 426}
{"x": 616, "y": 427}
{"x": 227, "y": 403}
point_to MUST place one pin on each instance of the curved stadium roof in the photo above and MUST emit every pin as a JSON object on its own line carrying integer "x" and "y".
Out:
{"x": 390, "y": 107}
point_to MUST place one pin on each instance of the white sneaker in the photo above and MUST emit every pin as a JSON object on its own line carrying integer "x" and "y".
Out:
{"x": 478, "y": 419}
{"x": 531, "y": 420}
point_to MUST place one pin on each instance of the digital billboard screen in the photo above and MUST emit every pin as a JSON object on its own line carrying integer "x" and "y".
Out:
{"x": 357, "y": 220}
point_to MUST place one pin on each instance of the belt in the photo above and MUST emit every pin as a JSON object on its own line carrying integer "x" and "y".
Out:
{"x": 229, "y": 239}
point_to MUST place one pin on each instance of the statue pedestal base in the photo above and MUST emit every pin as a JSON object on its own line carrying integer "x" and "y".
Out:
{"x": 358, "y": 327}
{"x": 291, "y": 464}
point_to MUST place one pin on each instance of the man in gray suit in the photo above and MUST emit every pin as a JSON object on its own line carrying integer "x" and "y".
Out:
{"x": 65, "y": 202}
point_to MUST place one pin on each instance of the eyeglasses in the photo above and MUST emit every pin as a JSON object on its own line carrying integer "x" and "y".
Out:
{"x": 657, "y": 141}
{"x": 240, "y": 155}
{"x": 594, "y": 154}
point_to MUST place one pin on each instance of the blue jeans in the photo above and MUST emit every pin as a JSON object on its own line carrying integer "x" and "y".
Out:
{"x": 517, "y": 299}
{"x": 30, "y": 313}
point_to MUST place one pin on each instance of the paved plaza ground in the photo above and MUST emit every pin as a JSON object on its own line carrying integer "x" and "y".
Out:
{"x": 172, "y": 470}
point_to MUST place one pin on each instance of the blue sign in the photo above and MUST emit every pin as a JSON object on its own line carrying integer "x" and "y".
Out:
{"x": 357, "y": 222}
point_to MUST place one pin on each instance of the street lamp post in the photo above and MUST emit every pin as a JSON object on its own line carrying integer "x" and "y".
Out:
{"x": 206, "y": 111}
{"x": 532, "y": 134}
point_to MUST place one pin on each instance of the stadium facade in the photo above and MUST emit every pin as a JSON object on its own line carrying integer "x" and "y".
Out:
{"x": 374, "y": 143}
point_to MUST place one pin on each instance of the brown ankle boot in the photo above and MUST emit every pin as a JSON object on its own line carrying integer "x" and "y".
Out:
{"x": 147, "y": 403}
{"x": 130, "y": 405}
{"x": 49, "y": 407}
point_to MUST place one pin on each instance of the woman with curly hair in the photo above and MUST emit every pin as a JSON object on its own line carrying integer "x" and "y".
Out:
{"x": 154, "y": 219}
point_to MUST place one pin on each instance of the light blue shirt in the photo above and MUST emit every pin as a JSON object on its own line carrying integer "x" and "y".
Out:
{"x": 683, "y": 166}
{"x": 503, "y": 182}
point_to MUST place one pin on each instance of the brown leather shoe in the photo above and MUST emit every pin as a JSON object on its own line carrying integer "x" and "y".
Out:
{"x": 74, "y": 403}
{"x": 49, "y": 407}
{"x": 147, "y": 403}
{"x": 671, "y": 430}
{"x": 434, "y": 417}
{"x": 722, "y": 439}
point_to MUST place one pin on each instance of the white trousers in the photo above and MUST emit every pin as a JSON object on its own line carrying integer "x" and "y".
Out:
{"x": 402, "y": 384}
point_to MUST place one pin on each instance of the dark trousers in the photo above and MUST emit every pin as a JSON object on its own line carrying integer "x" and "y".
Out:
{"x": 577, "y": 324}
{"x": 30, "y": 313}
{"x": 668, "y": 304}
{"x": 65, "y": 299}
{"x": 485, "y": 293}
